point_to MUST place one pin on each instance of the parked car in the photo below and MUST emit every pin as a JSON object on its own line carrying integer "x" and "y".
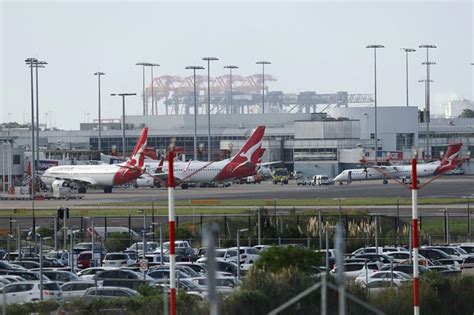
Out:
{"x": 26, "y": 274}
{"x": 380, "y": 250}
{"x": 433, "y": 254}
{"x": 162, "y": 274}
{"x": 21, "y": 292}
{"x": 406, "y": 268}
{"x": 353, "y": 270}
{"x": 380, "y": 285}
{"x": 397, "y": 276}
{"x": 304, "y": 181}
{"x": 63, "y": 256}
{"x": 152, "y": 247}
{"x": 118, "y": 260}
{"x": 89, "y": 273}
{"x": 60, "y": 276}
{"x": 454, "y": 252}
{"x": 76, "y": 289}
{"x": 108, "y": 293}
{"x": 446, "y": 270}
{"x": 27, "y": 264}
{"x": 248, "y": 255}
{"x": 82, "y": 247}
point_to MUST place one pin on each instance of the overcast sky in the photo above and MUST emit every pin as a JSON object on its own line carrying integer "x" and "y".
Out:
{"x": 313, "y": 46}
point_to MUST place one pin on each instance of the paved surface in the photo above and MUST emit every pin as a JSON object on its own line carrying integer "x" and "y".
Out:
{"x": 442, "y": 187}
{"x": 445, "y": 187}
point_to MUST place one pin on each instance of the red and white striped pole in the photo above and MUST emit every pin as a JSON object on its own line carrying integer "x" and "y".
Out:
{"x": 415, "y": 242}
{"x": 171, "y": 220}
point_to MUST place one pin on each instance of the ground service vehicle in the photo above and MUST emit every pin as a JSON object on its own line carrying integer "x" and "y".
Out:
{"x": 280, "y": 175}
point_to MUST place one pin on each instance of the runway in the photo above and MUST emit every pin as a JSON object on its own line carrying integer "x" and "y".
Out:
{"x": 441, "y": 188}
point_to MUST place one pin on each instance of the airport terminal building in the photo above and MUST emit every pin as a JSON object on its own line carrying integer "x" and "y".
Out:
{"x": 314, "y": 143}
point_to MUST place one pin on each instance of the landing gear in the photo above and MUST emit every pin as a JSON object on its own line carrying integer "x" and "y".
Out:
{"x": 184, "y": 186}
{"x": 108, "y": 190}
{"x": 385, "y": 182}
{"x": 82, "y": 190}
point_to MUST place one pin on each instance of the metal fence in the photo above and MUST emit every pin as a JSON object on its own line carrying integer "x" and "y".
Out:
{"x": 275, "y": 228}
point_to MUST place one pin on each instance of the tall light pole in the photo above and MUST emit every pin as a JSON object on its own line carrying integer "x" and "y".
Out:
{"x": 154, "y": 111}
{"x": 427, "y": 96}
{"x": 263, "y": 63}
{"x": 375, "y": 47}
{"x": 98, "y": 74}
{"x": 230, "y": 67}
{"x": 123, "y": 95}
{"x": 426, "y": 116}
{"x": 194, "y": 68}
{"x": 38, "y": 64}
{"x": 30, "y": 62}
{"x": 209, "y": 148}
{"x": 407, "y": 51}
{"x": 143, "y": 64}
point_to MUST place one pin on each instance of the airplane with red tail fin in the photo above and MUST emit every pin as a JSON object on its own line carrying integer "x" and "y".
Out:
{"x": 243, "y": 164}
{"x": 449, "y": 161}
{"x": 105, "y": 175}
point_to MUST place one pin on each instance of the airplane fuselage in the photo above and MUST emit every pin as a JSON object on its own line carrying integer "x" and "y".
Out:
{"x": 386, "y": 172}
{"x": 96, "y": 175}
{"x": 204, "y": 172}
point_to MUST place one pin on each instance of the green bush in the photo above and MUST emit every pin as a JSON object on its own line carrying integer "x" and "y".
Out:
{"x": 438, "y": 295}
{"x": 278, "y": 258}
{"x": 117, "y": 242}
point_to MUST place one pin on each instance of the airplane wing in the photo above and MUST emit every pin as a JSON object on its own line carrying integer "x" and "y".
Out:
{"x": 269, "y": 163}
{"x": 163, "y": 177}
{"x": 76, "y": 180}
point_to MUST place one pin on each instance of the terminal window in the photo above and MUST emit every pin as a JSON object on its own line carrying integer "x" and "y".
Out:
{"x": 405, "y": 141}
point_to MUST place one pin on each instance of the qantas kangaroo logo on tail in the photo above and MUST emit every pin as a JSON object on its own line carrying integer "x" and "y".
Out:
{"x": 138, "y": 155}
{"x": 450, "y": 160}
{"x": 132, "y": 168}
{"x": 247, "y": 152}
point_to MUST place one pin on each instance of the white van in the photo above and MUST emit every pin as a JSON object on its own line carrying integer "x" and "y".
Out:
{"x": 321, "y": 180}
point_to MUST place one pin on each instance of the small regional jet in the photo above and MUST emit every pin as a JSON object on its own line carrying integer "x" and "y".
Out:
{"x": 449, "y": 162}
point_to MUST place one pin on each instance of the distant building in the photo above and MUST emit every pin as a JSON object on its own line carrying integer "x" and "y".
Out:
{"x": 455, "y": 108}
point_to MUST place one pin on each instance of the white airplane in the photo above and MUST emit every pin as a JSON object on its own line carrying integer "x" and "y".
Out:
{"x": 449, "y": 161}
{"x": 243, "y": 164}
{"x": 105, "y": 175}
